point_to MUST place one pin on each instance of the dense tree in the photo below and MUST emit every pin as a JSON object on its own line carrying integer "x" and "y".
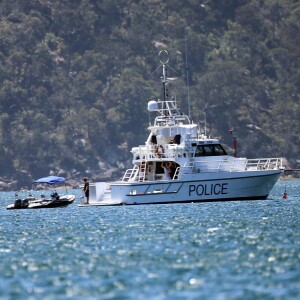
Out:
{"x": 76, "y": 76}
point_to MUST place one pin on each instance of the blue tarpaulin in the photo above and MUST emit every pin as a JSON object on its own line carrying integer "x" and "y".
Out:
{"x": 50, "y": 179}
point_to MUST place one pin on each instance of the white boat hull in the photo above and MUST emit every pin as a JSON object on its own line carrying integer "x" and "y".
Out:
{"x": 195, "y": 188}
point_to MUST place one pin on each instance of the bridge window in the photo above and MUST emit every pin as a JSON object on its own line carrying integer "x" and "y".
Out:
{"x": 209, "y": 150}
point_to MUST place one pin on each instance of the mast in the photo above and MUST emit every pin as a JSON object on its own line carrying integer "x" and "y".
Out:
{"x": 164, "y": 59}
{"x": 187, "y": 75}
{"x": 167, "y": 107}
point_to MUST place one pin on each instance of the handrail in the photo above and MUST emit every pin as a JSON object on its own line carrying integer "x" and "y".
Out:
{"x": 148, "y": 152}
{"x": 130, "y": 174}
{"x": 234, "y": 165}
{"x": 265, "y": 163}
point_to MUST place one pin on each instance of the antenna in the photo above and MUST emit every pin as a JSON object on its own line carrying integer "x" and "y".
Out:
{"x": 164, "y": 59}
{"x": 168, "y": 105}
{"x": 187, "y": 75}
{"x": 205, "y": 123}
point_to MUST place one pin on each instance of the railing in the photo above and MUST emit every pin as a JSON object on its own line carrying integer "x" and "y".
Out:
{"x": 149, "y": 152}
{"x": 130, "y": 174}
{"x": 234, "y": 165}
{"x": 265, "y": 164}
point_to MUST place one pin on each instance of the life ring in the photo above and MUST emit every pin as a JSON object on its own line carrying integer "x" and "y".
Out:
{"x": 159, "y": 151}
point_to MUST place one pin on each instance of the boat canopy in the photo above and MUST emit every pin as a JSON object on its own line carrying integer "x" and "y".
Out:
{"x": 50, "y": 179}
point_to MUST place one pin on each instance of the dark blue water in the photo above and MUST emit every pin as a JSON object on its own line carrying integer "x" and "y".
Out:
{"x": 230, "y": 250}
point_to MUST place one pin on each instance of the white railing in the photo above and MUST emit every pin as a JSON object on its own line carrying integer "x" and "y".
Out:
{"x": 234, "y": 165}
{"x": 149, "y": 152}
{"x": 130, "y": 174}
{"x": 265, "y": 164}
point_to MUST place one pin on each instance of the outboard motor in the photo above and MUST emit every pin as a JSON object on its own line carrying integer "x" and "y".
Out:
{"x": 18, "y": 203}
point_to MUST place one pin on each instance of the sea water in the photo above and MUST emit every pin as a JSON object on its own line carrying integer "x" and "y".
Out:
{"x": 222, "y": 250}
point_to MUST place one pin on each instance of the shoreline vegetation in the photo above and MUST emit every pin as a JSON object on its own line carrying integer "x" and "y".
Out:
{"x": 76, "y": 77}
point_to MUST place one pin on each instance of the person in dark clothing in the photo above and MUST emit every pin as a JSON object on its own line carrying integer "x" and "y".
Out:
{"x": 86, "y": 189}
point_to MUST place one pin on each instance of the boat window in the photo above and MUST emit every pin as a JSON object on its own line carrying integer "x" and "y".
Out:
{"x": 219, "y": 150}
{"x": 153, "y": 139}
{"x": 199, "y": 151}
{"x": 177, "y": 139}
{"x": 209, "y": 150}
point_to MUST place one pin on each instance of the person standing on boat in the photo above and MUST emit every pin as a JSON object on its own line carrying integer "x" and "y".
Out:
{"x": 165, "y": 166}
{"x": 172, "y": 169}
{"x": 86, "y": 189}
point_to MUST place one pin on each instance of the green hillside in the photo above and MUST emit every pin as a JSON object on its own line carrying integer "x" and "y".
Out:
{"x": 76, "y": 76}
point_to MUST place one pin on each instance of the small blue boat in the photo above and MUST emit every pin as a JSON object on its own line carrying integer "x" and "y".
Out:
{"x": 55, "y": 199}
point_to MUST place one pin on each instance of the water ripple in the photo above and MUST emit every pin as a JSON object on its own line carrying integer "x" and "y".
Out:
{"x": 232, "y": 250}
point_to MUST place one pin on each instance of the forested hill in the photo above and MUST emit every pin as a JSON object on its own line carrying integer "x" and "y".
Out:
{"x": 76, "y": 76}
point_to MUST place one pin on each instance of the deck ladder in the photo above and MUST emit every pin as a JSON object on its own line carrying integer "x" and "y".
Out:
{"x": 142, "y": 171}
{"x": 176, "y": 174}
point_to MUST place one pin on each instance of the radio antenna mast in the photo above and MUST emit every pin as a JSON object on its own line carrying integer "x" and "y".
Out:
{"x": 187, "y": 75}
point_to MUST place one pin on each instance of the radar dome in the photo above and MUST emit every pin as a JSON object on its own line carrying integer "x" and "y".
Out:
{"x": 152, "y": 105}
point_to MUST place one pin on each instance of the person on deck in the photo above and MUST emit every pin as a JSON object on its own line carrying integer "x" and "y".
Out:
{"x": 165, "y": 166}
{"x": 86, "y": 189}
